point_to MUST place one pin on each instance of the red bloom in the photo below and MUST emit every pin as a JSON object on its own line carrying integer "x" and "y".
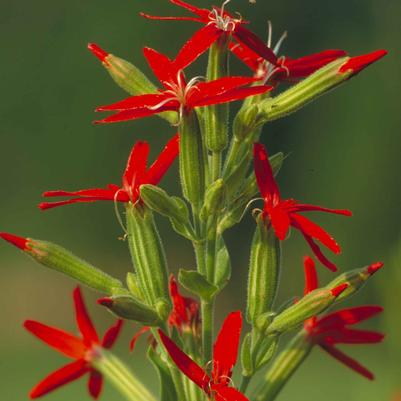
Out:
{"x": 20, "y": 242}
{"x": 333, "y": 328}
{"x": 286, "y": 68}
{"x": 225, "y": 352}
{"x": 285, "y": 213}
{"x": 177, "y": 94}
{"x": 83, "y": 349}
{"x": 184, "y": 315}
{"x": 217, "y": 22}
{"x": 134, "y": 176}
{"x": 358, "y": 63}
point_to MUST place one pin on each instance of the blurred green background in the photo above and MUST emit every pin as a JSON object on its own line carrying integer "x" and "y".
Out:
{"x": 344, "y": 152}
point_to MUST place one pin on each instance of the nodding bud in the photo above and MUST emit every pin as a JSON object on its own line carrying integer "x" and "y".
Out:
{"x": 374, "y": 267}
{"x": 358, "y": 63}
{"x": 106, "y": 301}
{"x": 19, "y": 242}
{"x": 339, "y": 289}
{"x": 98, "y": 52}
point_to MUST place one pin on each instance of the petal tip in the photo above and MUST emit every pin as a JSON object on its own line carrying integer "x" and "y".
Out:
{"x": 19, "y": 242}
{"x": 98, "y": 52}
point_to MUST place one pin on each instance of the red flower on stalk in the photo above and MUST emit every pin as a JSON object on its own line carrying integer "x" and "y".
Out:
{"x": 177, "y": 94}
{"x": 285, "y": 213}
{"x": 225, "y": 352}
{"x": 333, "y": 328}
{"x": 184, "y": 316}
{"x": 286, "y": 68}
{"x": 218, "y": 22}
{"x": 83, "y": 349}
{"x": 134, "y": 176}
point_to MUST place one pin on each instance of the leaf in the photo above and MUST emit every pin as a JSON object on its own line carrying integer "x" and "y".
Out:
{"x": 196, "y": 283}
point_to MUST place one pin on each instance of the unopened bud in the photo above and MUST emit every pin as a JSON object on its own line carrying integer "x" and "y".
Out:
{"x": 128, "y": 77}
{"x": 215, "y": 198}
{"x": 316, "y": 84}
{"x": 310, "y": 305}
{"x": 127, "y": 307}
{"x": 355, "y": 279}
{"x": 57, "y": 258}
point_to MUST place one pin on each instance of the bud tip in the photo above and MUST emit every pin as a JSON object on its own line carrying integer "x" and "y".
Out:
{"x": 98, "y": 51}
{"x": 358, "y": 63}
{"x": 19, "y": 242}
{"x": 374, "y": 267}
{"x": 336, "y": 291}
{"x": 106, "y": 301}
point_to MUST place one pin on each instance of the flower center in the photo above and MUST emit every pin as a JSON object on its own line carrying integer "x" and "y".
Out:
{"x": 222, "y": 20}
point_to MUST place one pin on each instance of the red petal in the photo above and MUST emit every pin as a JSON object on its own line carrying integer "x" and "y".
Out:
{"x": 318, "y": 253}
{"x": 143, "y": 330}
{"x": 187, "y": 366}
{"x": 111, "y": 334}
{"x": 163, "y": 68}
{"x": 197, "y": 45}
{"x": 58, "y": 378}
{"x": 264, "y": 175}
{"x": 357, "y": 64}
{"x": 300, "y": 207}
{"x": 247, "y": 56}
{"x": 163, "y": 162}
{"x": 374, "y": 267}
{"x": 349, "y": 316}
{"x": 135, "y": 170}
{"x": 201, "y": 12}
{"x": 347, "y": 361}
{"x": 311, "y": 279}
{"x": 178, "y": 315}
{"x": 162, "y": 18}
{"x": 98, "y": 51}
{"x": 19, "y": 242}
{"x": 95, "y": 383}
{"x": 280, "y": 221}
{"x": 225, "y": 349}
{"x": 224, "y": 393}
{"x": 348, "y": 336}
{"x": 309, "y": 228}
{"x": 336, "y": 291}
{"x": 136, "y": 102}
{"x": 84, "y": 322}
{"x": 252, "y": 41}
{"x": 63, "y": 342}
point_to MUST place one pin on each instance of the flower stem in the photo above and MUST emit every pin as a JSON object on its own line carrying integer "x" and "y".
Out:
{"x": 216, "y": 161}
{"x": 207, "y": 329}
{"x": 122, "y": 378}
{"x": 244, "y": 383}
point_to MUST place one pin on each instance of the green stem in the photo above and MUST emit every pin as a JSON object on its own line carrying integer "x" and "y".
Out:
{"x": 244, "y": 383}
{"x": 216, "y": 161}
{"x": 207, "y": 329}
{"x": 121, "y": 377}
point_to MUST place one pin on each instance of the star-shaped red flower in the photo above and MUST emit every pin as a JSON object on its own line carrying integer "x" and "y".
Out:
{"x": 82, "y": 349}
{"x": 285, "y": 213}
{"x": 225, "y": 352}
{"x": 134, "y": 176}
{"x": 333, "y": 328}
{"x": 217, "y": 22}
{"x": 178, "y": 94}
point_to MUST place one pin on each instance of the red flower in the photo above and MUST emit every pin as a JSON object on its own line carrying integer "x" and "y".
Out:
{"x": 177, "y": 94}
{"x": 358, "y": 63}
{"x": 224, "y": 357}
{"x": 285, "y": 213}
{"x": 83, "y": 349}
{"x": 286, "y": 68}
{"x": 184, "y": 315}
{"x": 217, "y": 22}
{"x": 333, "y": 328}
{"x": 134, "y": 176}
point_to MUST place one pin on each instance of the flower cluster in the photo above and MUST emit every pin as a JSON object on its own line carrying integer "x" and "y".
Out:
{"x": 221, "y": 173}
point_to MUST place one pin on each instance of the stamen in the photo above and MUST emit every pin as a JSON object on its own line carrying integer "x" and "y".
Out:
{"x": 280, "y": 42}
{"x": 269, "y": 34}
{"x": 248, "y": 205}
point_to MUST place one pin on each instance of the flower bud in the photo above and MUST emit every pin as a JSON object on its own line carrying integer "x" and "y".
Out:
{"x": 355, "y": 279}
{"x": 127, "y": 307}
{"x": 316, "y": 84}
{"x": 216, "y": 116}
{"x": 310, "y": 305}
{"x": 246, "y": 356}
{"x": 264, "y": 271}
{"x": 128, "y": 77}
{"x": 215, "y": 199}
{"x": 57, "y": 258}
{"x": 245, "y": 121}
{"x": 147, "y": 254}
{"x": 192, "y": 167}
{"x": 283, "y": 367}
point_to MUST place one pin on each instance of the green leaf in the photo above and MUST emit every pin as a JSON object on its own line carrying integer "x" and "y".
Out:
{"x": 196, "y": 283}
{"x": 246, "y": 356}
{"x": 223, "y": 264}
{"x": 167, "y": 389}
